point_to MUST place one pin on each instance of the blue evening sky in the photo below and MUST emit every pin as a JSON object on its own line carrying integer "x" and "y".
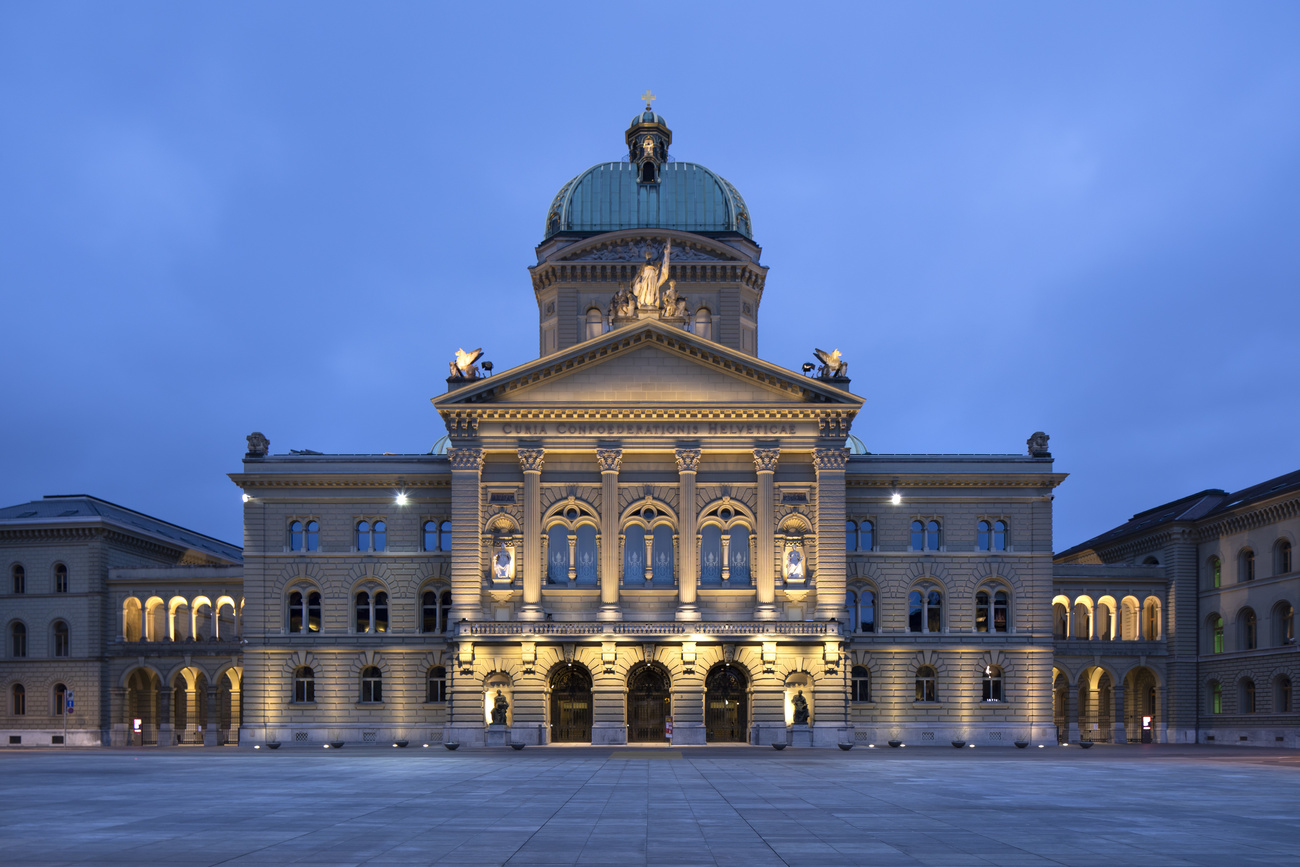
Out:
{"x": 285, "y": 217}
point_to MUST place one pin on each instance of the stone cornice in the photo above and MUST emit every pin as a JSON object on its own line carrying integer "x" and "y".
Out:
{"x": 705, "y": 630}
{"x": 311, "y": 480}
{"x": 1250, "y": 519}
{"x": 1029, "y": 479}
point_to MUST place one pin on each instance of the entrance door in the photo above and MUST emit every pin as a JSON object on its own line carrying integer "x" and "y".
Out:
{"x": 725, "y": 705}
{"x": 571, "y": 705}
{"x": 647, "y": 703}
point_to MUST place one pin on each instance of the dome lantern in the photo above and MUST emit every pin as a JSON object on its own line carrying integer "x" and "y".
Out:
{"x": 648, "y": 138}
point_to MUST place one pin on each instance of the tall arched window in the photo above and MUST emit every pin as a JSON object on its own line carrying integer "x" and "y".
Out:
{"x": 739, "y": 555}
{"x": 861, "y": 683}
{"x": 1284, "y": 624}
{"x": 19, "y": 699}
{"x": 1246, "y": 696}
{"x": 586, "y": 554}
{"x": 1216, "y": 572}
{"x": 661, "y": 550}
{"x": 704, "y": 323}
{"x": 61, "y": 639}
{"x": 926, "y": 536}
{"x": 867, "y": 536}
{"x": 711, "y": 554}
{"x": 595, "y": 323}
{"x": 430, "y": 540}
{"x": 436, "y": 688}
{"x": 557, "y": 555}
{"x": 1246, "y": 565}
{"x": 304, "y": 536}
{"x": 1151, "y": 619}
{"x": 926, "y": 688}
{"x": 866, "y": 610}
{"x": 372, "y": 684}
{"x": 18, "y": 641}
{"x": 1282, "y": 694}
{"x": 925, "y": 609}
{"x": 132, "y": 620}
{"x": 20, "y": 579}
{"x": 444, "y": 536}
{"x": 1282, "y": 557}
{"x": 444, "y": 610}
{"x": 1060, "y": 621}
{"x": 992, "y": 683}
{"x": 1216, "y": 633}
{"x": 1216, "y": 697}
{"x": 1246, "y": 627}
{"x": 850, "y": 536}
{"x": 60, "y": 699}
{"x": 371, "y": 611}
{"x": 304, "y": 684}
{"x": 61, "y": 578}
{"x": 1082, "y": 621}
{"x": 991, "y": 609}
{"x": 429, "y": 611}
{"x": 304, "y": 610}
{"x": 371, "y": 537}
{"x": 999, "y": 535}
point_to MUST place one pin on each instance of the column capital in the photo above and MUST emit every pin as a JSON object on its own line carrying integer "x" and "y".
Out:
{"x": 830, "y": 459}
{"x": 688, "y": 460}
{"x": 466, "y": 459}
{"x": 765, "y": 460}
{"x": 609, "y": 459}
{"x": 530, "y": 460}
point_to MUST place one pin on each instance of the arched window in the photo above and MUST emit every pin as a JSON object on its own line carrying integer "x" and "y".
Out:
{"x": 436, "y": 690}
{"x": 1216, "y": 634}
{"x": 850, "y": 536}
{"x": 999, "y": 535}
{"x": 444, "y": 536}
{"x": 866, "y": 610}
{"x": 313, "y": 536}
{"x": 991, "y": 610}
{"x": 18, "y": 641}
{"x": 1282, "y": 557}
{"x": 60, "y": 636}
{"x": 444, "y": 610}
{"x": 372, "y": 684}
{"x": 1082, "y": 621}
{"x": 926, "y": 536}
{"x": 984, "y": 536}
{"x": 661, "y": 552}
{"x": 1060, "y": 621}
{"x": 557, "y": 555}
{"x": 851, "y": 609}
{"x": 132, "y": 619}
{"x": 1216, "y": 697}
{"x": 295, "y": 536}
{"x": 304, "y": 610}
{"x": 704, "y": 323}
{"x": 429, "y": 611}
{"x": 1246, "y": 696}
{"x": 1216, "y": 572}
{"x": 1246, "y": 627}
{"x": 867, "y": 536}
{"x": 918, "y": 536}
{"x": 1246, "y": 565}
{"x": 861, "y": 683}
{"x": 595, "y": 323}
{"x": 925, "y": 684}
{"x": 20, "y": 579}
{"x": 61, "y": 578}
{"x": 19, "y": 699}
{"x": 711, "y": 554}
{"x": 371, "y": 611}
{"x": 925, "y": 610}
{"x": 430, "y": 542}
{"x": 1151, "y": 619}
{"x": 1282, "y": 694}
{"x": 371, "y": 537}
{"x": 1284, "y": 624}
{"x": 60, "y": 699}
{"x": 585, "y": 555}
{"x": 304, "y": 684}
{"x": 992, "y": 683}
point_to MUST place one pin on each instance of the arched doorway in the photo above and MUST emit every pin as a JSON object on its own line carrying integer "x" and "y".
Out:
{"x": 142, "y": 704}
{"x": 571, "y": 705}
{"x": 726, "y": 704}
{"x": 1060, "y": 698}
{"x": 648, "y": 702}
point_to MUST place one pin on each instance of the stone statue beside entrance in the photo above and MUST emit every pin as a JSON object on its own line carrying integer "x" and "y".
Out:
{"x": 499, "y": 707}
{"x": 800, "y": 709}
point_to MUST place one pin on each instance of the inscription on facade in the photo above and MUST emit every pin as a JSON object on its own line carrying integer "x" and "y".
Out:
{"x": 533, "y": 429}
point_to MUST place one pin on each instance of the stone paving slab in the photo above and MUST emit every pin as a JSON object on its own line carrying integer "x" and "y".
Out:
{"x": 748, "y": 807}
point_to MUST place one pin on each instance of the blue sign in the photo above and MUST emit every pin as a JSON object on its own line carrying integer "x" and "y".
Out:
{"x": 69, "y": 694}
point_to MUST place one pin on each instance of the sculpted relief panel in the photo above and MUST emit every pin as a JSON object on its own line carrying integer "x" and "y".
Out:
{"x": 640, "y": 249}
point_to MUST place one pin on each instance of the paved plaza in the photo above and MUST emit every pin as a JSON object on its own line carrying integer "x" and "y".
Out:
{"x": 628, "y": 806}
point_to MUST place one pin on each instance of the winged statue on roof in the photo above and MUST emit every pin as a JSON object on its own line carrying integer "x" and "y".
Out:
{"x": 833, "y": 364}
{"x": 463, "y": 367}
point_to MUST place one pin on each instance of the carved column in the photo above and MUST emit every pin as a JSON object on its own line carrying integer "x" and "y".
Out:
{"x": 830, "y": 531}
{"x": 610, "y": 550}
{"x": 688, "y": 461}
{"x": 765, "y": 576}
{"x": 530, "y": 461}
{"x": 466, "y": 534}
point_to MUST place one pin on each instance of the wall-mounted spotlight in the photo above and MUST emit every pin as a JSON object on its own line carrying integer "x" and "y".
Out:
{"x": 808, "y": 368}
{"x": 247, "y": 498}
{"x": 895, "y": 497}
{"x": 487, "y": 366}
{"x": 401, "y": 498}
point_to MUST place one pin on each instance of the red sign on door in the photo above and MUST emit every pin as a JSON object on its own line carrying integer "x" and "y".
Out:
{"x": 668, "y": 727}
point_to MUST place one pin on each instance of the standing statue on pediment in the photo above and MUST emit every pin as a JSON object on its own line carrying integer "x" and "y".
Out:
{"x": 647, "y": 284}
{"x": 623, "y": 304}
{"x": 669, "y": 306}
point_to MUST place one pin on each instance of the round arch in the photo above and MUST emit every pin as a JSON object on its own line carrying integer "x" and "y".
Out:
{"x": 726, "y": 703}
{"x": 569, "y": 687}
{"x": 649, "y": 702}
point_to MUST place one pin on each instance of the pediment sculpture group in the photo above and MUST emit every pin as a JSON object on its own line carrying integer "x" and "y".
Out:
{"x": 646, "y": 293}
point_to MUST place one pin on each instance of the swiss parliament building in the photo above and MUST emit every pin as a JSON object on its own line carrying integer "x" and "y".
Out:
{"x": 649, "y": 534}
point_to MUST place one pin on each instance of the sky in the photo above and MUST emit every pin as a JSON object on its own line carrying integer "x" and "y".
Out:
{"x": 1009, "y": 217}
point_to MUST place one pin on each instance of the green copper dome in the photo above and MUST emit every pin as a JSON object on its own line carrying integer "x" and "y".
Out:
{"x": 648, "y": 191}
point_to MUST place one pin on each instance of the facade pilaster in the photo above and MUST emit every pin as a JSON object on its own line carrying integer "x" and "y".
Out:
{"x": 765, "y": 580}
{"x": 830, "y": 465}
{"x": 609, "y": 460}
{"x": 530, "y": 461}
{"x": 688, "y": 462}
{"x": 466, "y": 529}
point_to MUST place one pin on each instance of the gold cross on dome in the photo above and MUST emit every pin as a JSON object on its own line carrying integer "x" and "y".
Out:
{"x": 648, "y": 97}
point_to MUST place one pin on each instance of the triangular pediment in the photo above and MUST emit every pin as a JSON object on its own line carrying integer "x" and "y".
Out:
{"x": 649, "y": 363}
